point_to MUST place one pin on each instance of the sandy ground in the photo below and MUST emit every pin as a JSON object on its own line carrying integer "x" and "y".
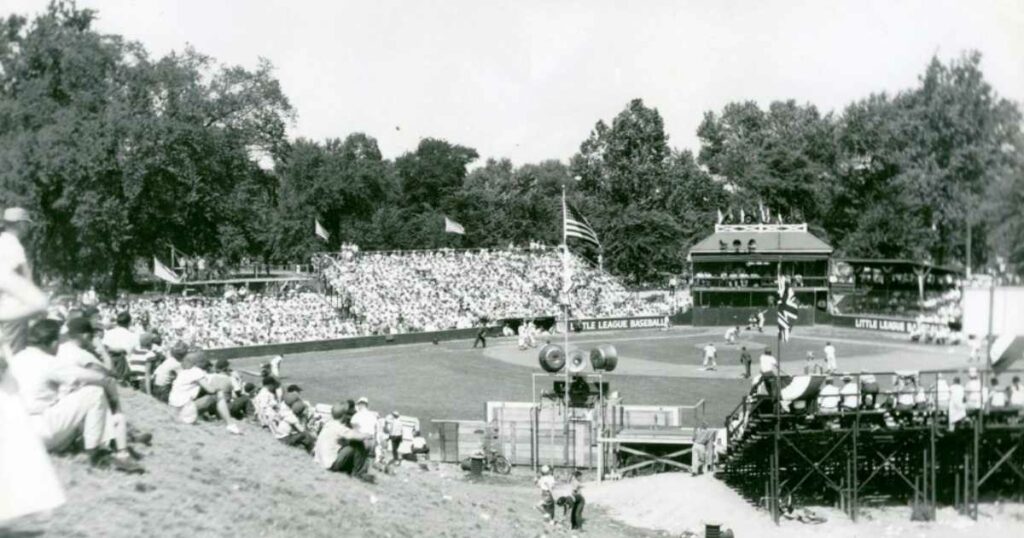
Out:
{"x": 677, "y": 502}
{"x": 201, "y": 482}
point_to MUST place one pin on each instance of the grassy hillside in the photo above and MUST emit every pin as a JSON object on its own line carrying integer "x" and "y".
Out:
{"x": 201, "y": 481}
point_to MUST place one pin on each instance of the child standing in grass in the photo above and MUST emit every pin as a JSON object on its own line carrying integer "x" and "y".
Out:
{"x": 546, "y": 482}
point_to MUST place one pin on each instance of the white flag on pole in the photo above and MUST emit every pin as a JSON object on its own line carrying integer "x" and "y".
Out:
{"x": 320, "y": 231}
{"x": 452, "y": 227}
{"x": 164, "y": 273}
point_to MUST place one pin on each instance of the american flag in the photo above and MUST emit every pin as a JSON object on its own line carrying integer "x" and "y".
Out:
{"x": 576, "y": 225}
{"x": 786, "y": 309}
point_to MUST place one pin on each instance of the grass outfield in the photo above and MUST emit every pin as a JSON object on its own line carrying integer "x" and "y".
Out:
{"x": 453, "y": 381}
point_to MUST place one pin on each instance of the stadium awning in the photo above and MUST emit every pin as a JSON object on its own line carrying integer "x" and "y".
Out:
{"x": 764, "y": 242}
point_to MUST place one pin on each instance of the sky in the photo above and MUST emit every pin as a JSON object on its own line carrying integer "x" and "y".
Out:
{"x": 528, "y": 79}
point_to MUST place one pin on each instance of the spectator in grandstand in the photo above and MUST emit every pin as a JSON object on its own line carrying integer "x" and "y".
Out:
{"x": 769, "y": 365}
{"x": 66, "y": 400}
{"x": 996, "y": 398}
{"x": 745, "y": 360}
{"x": 906, "y": 392}
{"x": 165, "y": 373}
{"x": 942, "y": 393}
{"x": 194, "y": 393}
{"x": 828, "y": 397}
{"x": 973, "y": 397}
{"x": 710, "y": 354}
{"x": 1016, "y": 392}
{"x": 830, "y": 358}
{"x": 16, "y": 221}
{"x": 850, "y": 393}
{"x": 869, "y": 391}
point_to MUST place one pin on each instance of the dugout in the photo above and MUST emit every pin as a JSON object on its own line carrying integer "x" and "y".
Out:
{"x": 735, "y": 273}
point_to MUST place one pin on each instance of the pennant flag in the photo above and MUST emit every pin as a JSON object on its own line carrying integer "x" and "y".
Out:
{"x": 786, "y": 309}
{"x": 576, "y": 225}
{"x": 164, "y": 273}
{"x": 320, "y": 231}
{"x": 720, "y": 216}
{"x": 452, "y": 227}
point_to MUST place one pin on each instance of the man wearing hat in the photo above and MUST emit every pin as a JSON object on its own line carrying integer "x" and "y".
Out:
{"x": 12, "y": 258}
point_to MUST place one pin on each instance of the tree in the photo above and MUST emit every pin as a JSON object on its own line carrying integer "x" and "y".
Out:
{"x": 434, "y": 172}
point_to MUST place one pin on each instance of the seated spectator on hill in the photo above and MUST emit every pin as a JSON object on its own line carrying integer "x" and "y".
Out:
{"x": 195, "y": 394}
{"x": 336, "y": 446}
{"x": 120, "y": 341}
{"x": 165, "y": 373}
{"x": 67, "y": 401}
{"x": 266, "y": 400}
{"x": 287, "y": 428}
{"x": 143, "y": 359}
{"x": 222, "y": 380}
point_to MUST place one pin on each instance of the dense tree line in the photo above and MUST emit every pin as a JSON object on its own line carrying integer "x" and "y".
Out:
{"x": 120, "y": 155}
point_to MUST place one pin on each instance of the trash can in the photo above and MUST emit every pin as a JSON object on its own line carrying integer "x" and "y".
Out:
{"x": 476, "y": 465}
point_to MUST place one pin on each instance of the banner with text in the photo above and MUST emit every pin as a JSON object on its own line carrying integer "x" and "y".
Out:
{"x": 883, "y": 324}
{"x": 614, "y": 324}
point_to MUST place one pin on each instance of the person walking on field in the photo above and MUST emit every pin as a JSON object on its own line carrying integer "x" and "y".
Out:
{"x": 710, "y": 354}
{"x": 830, "y": 358}
{"x": 745, "y": 360}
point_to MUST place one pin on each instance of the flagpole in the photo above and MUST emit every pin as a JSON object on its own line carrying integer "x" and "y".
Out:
{"x": 565, "y": 311}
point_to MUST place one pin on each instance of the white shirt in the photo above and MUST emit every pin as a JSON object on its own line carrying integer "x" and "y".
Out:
{"x": 365, "y": 422}
{"x": 121, "y": 339}
{"x": 162, "y": 375}
{"x": 186, "y": 386}
{"x": 830, "y": 353}
{"x": 35, "y": 371}
{"x": 828, "y": 398}
{"x": 71, "y": 353}
{"x": 12, "y": 254}
{"x": 997, "y": 398}
{"x": 972, "y": 393}
{"x": 850, "y": 392}
{"x": 768, "y": 364}
{"x": 1016, "y": 395}
{"x": 709, "y": 352}
{"x": 328, "y": 442}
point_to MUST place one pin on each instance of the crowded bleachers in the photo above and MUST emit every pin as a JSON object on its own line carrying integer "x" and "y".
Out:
{"x": 447, "y": 289}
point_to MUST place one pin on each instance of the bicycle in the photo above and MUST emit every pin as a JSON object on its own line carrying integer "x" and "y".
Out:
{"x": 493, "y": 461}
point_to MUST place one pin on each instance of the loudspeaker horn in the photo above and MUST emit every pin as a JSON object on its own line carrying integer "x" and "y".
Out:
{"x": 552, "y": 358}
{"x": 577, "y": 361}
{"x": 604, "y": 357}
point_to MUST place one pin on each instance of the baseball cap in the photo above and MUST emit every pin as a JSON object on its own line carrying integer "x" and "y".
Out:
{"x": 395, "y": 414}
{"x": 16, "y": 214}
{"x": 293, "y": 388}
{"x": 363, "y": 400}
{"x": 77, "y": 326}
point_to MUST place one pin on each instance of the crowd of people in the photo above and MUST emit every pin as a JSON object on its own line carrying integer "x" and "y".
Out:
{"x": 238, "y": 319}
{"x": 449, "y": 289}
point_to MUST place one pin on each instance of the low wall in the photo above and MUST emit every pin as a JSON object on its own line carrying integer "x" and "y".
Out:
{"x": 889, "y": 324}
{"x": 346, "y": 343}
